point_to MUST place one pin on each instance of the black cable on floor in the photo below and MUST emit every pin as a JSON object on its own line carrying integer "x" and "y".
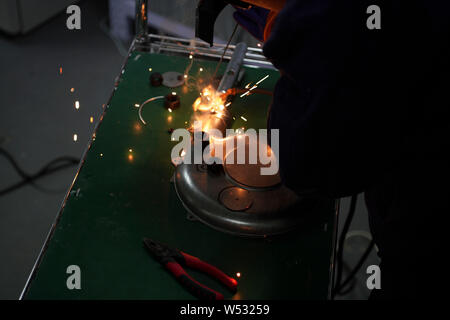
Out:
{"x": 55, "y": 165}
{"x": 340, "y": 252}
{"x": 355, "y": 270}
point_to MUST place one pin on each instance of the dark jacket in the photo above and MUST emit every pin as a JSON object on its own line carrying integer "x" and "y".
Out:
{"x": 353, "y": 103}
{"x": 367, "y": 110}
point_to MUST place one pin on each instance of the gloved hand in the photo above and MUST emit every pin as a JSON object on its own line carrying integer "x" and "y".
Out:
{"x": 253, "y": 20}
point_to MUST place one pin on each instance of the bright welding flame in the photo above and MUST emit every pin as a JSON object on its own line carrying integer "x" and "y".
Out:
{"x": 208, "y": 106}
{"x": 210, "y": 100}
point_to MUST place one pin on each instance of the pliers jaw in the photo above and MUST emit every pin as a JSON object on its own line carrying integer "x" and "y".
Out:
{"x": 162, "y": 252}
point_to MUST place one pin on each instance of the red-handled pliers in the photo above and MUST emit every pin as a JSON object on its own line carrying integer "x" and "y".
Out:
{"x": 173, "y": 260}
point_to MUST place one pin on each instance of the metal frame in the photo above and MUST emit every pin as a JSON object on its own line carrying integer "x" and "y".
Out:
{"x": 178, "y": 46}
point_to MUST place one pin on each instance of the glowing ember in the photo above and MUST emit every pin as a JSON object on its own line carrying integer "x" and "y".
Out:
{"x": 91, "y": 119}
{"x": 72, "y": 89}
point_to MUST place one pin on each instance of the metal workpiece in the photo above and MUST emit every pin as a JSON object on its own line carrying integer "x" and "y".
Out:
{"x": 238, "y": 199}
{"x": 156, "y": 79}
{"x": 216, "y": 199}
{"x": 172, "y": 101}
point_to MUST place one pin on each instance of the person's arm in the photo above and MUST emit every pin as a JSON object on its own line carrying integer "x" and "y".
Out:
{"x": 344, "y": 101}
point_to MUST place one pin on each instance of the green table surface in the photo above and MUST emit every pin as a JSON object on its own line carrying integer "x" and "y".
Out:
{"x": 115, "y": 202}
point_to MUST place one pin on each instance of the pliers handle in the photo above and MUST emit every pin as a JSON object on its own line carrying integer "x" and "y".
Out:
{"x": 173, "y": 260}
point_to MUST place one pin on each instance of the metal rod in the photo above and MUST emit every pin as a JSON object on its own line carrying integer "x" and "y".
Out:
{"x": 141, "y": 20}
{"x": 225, "y": 50}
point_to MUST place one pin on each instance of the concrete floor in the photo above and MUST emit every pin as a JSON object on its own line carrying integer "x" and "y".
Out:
{"x": 38, "y": 121}
{"x": 37, "y": 124}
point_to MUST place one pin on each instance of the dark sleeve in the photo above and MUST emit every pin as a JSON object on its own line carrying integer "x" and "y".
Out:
{"x": 348, "y": 97}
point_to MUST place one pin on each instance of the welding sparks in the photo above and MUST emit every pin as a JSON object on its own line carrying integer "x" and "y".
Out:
{"x": 130, "y": 157}
{"x": 75, "y": 137}
{"x": 150, "y": 69}
{"x": 248, "y": 91}
{"x": 60, "y": 70}
{"x": 243, "y": 118}
{"x": 190, "y": 56}
{"x": 252, "y": 88}
{"x": 72, "y": 89}
{"x": 137, "y": 105}
{"x": 185, "y": 76}
{"x": 170, "y": 110}
{"x": 262, "y": 80}
{"x": 209, "y": 100}
{"x": 91, "y": 119}
{"x": 238, "y": 274}
{"x": 130, "y": 150}
{"x": 77, "y": 105}
{"x": 201, "y": 69}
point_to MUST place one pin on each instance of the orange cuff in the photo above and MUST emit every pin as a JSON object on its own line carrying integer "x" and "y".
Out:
{"x": 271, "y": 17}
